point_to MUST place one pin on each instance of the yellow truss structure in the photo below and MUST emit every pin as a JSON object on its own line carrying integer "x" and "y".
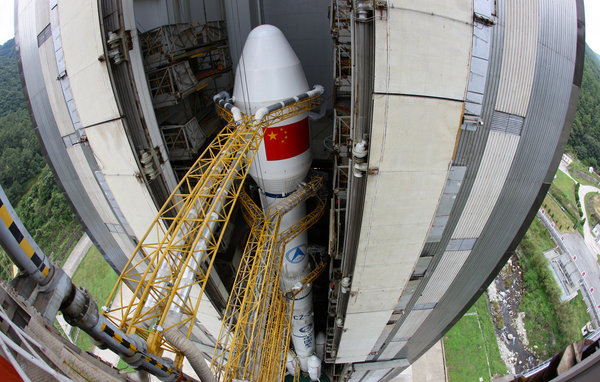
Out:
{"x": 255, "y": 334}
{"x": 168, "y": 271}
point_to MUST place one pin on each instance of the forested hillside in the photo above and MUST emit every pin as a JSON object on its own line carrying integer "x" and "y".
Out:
{"x": 584, "y": 141}
{"x": 24, "y": 174}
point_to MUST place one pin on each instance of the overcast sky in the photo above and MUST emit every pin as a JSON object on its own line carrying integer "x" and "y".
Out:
{"x": 592, "y": 16}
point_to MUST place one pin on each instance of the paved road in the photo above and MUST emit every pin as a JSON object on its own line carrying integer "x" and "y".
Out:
{"x": 77, "y": 255}
{"x": 564, "y": 167}
{"x": 587, "y": 231}
{"x": 431, "y": 367}
{"x": 585, "y": 261}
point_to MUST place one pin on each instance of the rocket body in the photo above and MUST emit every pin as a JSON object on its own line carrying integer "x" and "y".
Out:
{"x": 268, "y": 72}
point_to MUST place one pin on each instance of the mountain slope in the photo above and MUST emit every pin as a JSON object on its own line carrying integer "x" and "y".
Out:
{"x": 584, "y": 141}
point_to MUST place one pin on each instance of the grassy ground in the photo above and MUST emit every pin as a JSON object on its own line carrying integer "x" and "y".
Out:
{"x": 563, "y": 220}
{"x": 562, "y": 191}
{"x": 467, "y": 344}
{"x": 592, "y": 207}
{"x": 580, "y": 172}
{"x": 566, "y": 186}
{"x": 579, "y": 309}
{"x": 123, "y": 366}
{"x": 98, "y": 278}
{"x": 550, "y": 324}
{"x": 538, "y": 236}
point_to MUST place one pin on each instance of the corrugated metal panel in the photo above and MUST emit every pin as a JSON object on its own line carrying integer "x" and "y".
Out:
{"x": 412, "y": 323}
{"x": 507, "y": 123}
{"x": 520, "y": 51}
{"x": 542, "y": 131}
{"x": 461, "y": 244}
{"x": 495, "y": 164}
{"x": 443, "y": 276}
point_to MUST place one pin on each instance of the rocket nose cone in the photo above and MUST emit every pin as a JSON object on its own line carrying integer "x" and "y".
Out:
{"x": 266, "y": 31}
{"x": 267, "y": 47}
{"x": 268, "y": 70}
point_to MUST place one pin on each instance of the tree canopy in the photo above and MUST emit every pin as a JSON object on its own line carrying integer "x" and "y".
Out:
{"x": 584, "y": 141}
{"x": 24, "y": 174}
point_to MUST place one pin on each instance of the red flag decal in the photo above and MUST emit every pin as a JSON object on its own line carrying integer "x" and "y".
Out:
{"x": 283, "y": 142}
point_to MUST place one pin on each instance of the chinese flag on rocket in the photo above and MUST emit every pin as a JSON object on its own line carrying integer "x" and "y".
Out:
{"x": 283, "y": 142}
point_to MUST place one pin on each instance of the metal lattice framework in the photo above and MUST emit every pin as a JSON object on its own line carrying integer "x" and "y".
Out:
{"x": 169, "y": 268}
{"x": 255, "y": 334}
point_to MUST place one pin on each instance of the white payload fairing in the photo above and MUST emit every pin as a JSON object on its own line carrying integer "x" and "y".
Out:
{"x": 268, "y": 72}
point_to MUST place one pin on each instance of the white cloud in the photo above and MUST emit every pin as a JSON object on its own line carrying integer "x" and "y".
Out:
{"x": 592, "y": 24}
{"x": 7, "y": 12}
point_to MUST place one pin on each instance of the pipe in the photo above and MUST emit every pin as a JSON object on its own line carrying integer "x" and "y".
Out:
{"x": 187, "y": 347}
{"x": 262, "y": 112}
{"x": 222, "y": 99}
{"x": 77, "y": 305}
{"x": 143, "y": 376}
{"x": 79, "y": 309}
{"x": 19, "y": 245}
{"x": 362, "y": 89}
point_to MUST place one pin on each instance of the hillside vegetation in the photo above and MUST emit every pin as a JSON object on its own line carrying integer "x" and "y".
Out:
{"x": 24, "y": 174}
{"x": 584, "y": 141}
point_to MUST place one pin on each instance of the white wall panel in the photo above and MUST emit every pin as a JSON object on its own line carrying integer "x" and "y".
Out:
{"x": 88, "y": 181}
{"x": 459, "y": 10}
{"x": 113, "y": 155}
{"x": 392, "y": 349}
{"x": 411, "y": 147}
{"x": 88, "y": 77}
{"x": 361, "y": 330}
{"x": 424, "y": 51}
{"x": 375, "y": 375}
{"x": 125, "y": 244}
{"x": 401, "y": 200}
{"x": 413, "y": 133}
{"x": 400, "y": 204}
{"x": 495, "y": 164}
{"x": 42, "y": 13}
{"x": 445, "y": 272}
{"x": 518, "y": 60}
{"x": 357, "y": 376}
{"x": 55, "y": 92}
{"x": 412, "y": 323}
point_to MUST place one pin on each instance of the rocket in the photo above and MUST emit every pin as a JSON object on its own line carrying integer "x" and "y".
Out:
{"x": 268, "y": 72}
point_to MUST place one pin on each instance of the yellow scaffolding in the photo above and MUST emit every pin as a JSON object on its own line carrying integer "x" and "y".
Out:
{"x": 255, "y": 333}
{"x": 169, "y": 268}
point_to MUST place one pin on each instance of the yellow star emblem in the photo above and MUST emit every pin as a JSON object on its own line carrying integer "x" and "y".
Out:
{"x": 272, "y": 136}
